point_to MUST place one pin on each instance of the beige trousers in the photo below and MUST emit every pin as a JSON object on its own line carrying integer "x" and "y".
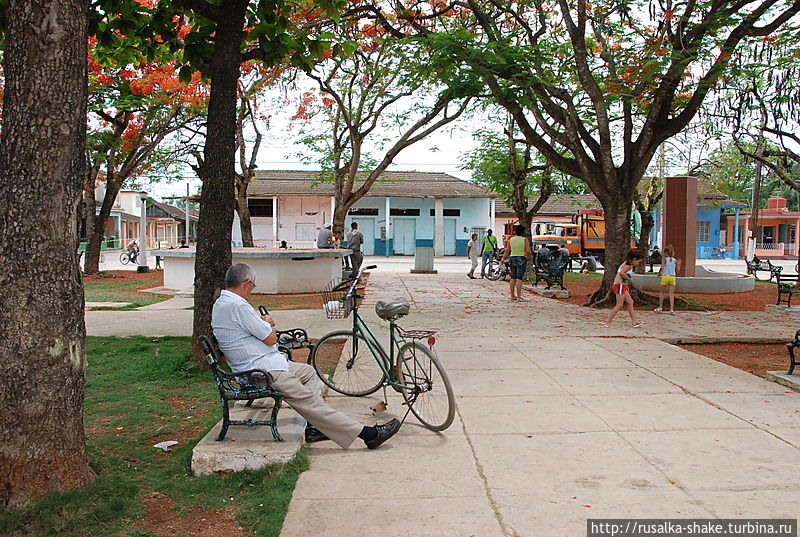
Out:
{"x": 301, "y": 388}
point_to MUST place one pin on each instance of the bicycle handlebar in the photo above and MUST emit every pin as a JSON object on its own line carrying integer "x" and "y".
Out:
{"x": 354, "y": 282}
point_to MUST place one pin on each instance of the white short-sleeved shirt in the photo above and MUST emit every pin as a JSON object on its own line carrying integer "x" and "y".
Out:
{"x": 473, "y": 252}
{"x": 240, "y": 333}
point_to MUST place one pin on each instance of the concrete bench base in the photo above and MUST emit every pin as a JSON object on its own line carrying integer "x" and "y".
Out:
{"x": 792, "y": 381}
{"x": 249, "y": 448}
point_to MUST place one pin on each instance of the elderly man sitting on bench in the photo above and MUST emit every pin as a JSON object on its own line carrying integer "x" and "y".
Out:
{"x": 249, "y": 341}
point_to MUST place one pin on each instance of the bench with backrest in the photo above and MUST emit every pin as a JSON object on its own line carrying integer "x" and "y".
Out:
{"x": 244, "y": 386}
{"x": 765, "y": 266}
{"x": 552, "y": 272}
{"x": 250, "y": 385}
{"x": 788, "y": 284}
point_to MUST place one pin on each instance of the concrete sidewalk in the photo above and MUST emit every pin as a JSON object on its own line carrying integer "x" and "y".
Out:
{"x": 558, "y": 421}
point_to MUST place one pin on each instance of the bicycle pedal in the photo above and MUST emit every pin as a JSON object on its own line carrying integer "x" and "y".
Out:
{"x": 379, "y": 407}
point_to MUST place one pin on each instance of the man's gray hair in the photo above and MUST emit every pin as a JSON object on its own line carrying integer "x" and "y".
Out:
{"x": 237, "y": 274}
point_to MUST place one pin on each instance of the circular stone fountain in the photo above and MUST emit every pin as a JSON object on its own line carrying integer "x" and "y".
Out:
{"x": 704, "y": 281}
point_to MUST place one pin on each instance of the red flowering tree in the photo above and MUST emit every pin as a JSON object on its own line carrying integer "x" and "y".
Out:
{"x": 136, "y": 111}
{"x": 595, "y": 87}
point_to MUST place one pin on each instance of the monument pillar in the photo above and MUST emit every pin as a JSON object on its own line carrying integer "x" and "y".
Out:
{"x": 680, "y": 221}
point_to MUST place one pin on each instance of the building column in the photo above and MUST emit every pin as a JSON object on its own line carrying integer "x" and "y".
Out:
{"x": 275, "y": 221}
{"x": 333, "y": 208}
{"x": 438, "y": 227}
{"x": 736, "y": 237}
{"x": 388, "y": 226}
{"x": 492, "y": 213}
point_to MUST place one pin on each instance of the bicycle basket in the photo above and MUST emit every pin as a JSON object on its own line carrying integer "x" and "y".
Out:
{"x": 334, "y": 303}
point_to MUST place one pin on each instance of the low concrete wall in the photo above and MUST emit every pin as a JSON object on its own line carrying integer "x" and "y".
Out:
{"x": 277, "y": 270}
{"x": 705, "y": 281}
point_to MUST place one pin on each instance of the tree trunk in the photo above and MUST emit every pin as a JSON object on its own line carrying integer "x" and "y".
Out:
{"x": 617, "y": 216}
{"x": 217, "y": 170}
{"x": 94, "y": 245}
{"x": 643, "y": 244}
{"x": 42, "y": 171}
{"x": 89, "y": 209}
{"x": 339, "y": 216}
{"x": 244, "y": 214}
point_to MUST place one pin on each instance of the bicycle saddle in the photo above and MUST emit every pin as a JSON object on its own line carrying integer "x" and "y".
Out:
{"x": 392, "y": 310}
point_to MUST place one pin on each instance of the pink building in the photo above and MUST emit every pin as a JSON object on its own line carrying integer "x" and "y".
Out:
{"x": 776, "y": 235}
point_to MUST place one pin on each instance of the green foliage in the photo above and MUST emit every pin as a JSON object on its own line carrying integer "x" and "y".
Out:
{"x": 491, "y": 166}
{"x": 128, "y": 385}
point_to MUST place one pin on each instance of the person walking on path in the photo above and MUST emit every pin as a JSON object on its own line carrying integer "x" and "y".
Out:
{"x": 472, "y": 254}
{"x": 249, "y": 341}
{"x": 517, "y": 254}
{"x": 620, "y": 288}
{"x": 354, "y": 243}
{"x": 667, "y": 272}
{"x": 489, "y": 248}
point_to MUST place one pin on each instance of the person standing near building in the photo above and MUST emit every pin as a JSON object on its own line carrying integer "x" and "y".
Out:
{"x": 472, "y": 254}
{"x": 489, "y": 248}
{"x": 517, "y": 254}
{"x": 355, "y": 242}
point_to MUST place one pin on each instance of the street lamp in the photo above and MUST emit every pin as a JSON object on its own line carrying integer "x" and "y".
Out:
{"x": 143, "y": 267}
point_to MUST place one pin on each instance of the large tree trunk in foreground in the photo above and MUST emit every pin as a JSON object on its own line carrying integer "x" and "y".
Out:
{"x": 42, "y": 161}
{"x": 617, "y": 215}
{"x": 643, "y": 244}
{"x": 217, "y": 170}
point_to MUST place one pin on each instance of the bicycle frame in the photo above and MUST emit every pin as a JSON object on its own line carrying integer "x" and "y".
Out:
{"x": 386, "y": 361}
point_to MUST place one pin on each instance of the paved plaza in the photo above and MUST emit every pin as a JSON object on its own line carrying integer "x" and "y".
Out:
{"x": 558, "y": 419}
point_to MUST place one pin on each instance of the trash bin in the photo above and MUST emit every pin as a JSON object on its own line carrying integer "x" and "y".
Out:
{"x": 423, "y": 260}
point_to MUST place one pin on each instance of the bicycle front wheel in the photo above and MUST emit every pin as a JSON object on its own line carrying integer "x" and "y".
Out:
{"x": 345, "y": 363}
{"x": 124, "y": 259}
{"x": 428, "y": 393}
{"x": 494, "y": 271}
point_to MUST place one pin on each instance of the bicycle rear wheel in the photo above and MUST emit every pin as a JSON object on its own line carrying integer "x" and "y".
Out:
{"x": 124, "y": 259}
{"x": 431, "y": 399}
{"x": 494, "y": 270}
{"x": 344, "y": 362}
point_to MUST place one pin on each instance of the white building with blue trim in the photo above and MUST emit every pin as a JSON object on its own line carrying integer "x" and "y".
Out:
{"x": 402, "y": 210}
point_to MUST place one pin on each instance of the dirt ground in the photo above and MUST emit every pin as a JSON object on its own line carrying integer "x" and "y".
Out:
{"x": 755, "y": 300}
{"x": 160, "y": 519}
{"x": 755, "y": 359}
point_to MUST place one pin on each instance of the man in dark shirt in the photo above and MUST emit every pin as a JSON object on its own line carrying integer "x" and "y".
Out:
{"x": 355, "y": 243}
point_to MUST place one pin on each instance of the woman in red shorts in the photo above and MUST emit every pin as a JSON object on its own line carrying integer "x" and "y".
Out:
{"x": 620, "y": 288}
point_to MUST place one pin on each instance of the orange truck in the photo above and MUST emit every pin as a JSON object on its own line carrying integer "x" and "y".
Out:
{"x": 586, "y": 233}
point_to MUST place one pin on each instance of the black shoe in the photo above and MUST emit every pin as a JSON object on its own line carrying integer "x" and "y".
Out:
{"x": 385, "y": 432}
{"x": 314, "y": 435}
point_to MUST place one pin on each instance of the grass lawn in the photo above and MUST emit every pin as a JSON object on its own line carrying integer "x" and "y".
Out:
{"x": 140, "y": 391}
{"x": 124, "y": 286}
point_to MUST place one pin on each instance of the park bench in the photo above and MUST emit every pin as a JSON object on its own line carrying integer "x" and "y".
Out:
{"x": 250, "y": 385}
{"x": 552, "y": 272}
{"x": 791, "y": 346}
{"x": 788, "y": 284}
{"x": 766, "y": 266}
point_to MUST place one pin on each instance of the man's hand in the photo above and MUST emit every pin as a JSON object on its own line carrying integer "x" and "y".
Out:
{"x": 268, "y": 318}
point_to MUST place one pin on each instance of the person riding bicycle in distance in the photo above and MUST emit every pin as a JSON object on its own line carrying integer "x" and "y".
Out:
{"x": 249, "y": 341}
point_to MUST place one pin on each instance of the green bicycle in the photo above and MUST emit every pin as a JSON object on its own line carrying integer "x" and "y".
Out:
{"x": 361, "y": 365}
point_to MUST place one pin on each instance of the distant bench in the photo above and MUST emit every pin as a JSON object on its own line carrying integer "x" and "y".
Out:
{"x": 765, "y": 266}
